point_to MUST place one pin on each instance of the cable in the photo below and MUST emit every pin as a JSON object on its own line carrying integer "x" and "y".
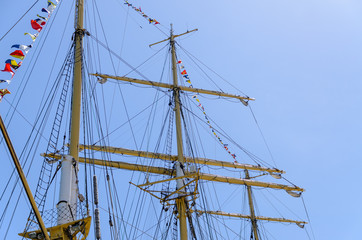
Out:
{"x": 19, "y": 20}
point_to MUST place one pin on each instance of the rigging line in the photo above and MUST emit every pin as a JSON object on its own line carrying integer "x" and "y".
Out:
{"x": 85, "y": 134}
{"x": 160, "y": 136}
{"x": 26, "y": 120}
{"x": 145, "y": 61}
{"x": 282, "y": 203}
{"x": 273, "y": 206}
{"x": 123, "y": 37}
{"x": 133, "y": 175}
{"x": 223, "y": 134}
{"x": 205, "y": 206}
{"x": 120, "y": 90}
{"x": 152, "y": 24}
{"x": 243, "y": 206}
{"x": 130, "y": 15}
{"x": 116, "y": 55}
{"x": 50, "y": 102}
{"x": 119, "y": 206}
{"x": 24, "y": 149}
{"x": 213, "y": 71}
{"x": 106, "y": 156}
{"x": 140, "y": 206}
{"x": 310, "y": 223}
{"x": 17, "y": 180}
{"x": 100, "y": 132}
{"x": 128, "y": 120}
{"x": 96, "y": 31}
{"x": 18, "y": 20}
{"x": 231, "y": 196}
{"x": 202, "y": 70}
{"x": 191, "y": 149}
{"x": 264, "y": 139}
{"x": 58, "y": 50}
{"x": 13, "y": 214}
{"x": 288, "y": 181}
{"x": 225, "y": 225}
{"x": 133, "y": 226}
{"x": 148, "y": 213}
{"x": 22, "y": 192}
{"x": 168, "y": 226}
{"x": 149, "y": 122}
{"x": 31, "y": 71}
{"x": 99, "y": 129}
{"x": 260, "y": 227}
{"x": 197, "y": 129}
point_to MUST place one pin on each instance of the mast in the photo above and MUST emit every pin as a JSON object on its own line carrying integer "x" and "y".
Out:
{"x": 68, "y": 193}
{"x": 180, "y": 202}
{"x": 70, "y": 163}
{"x": 251, "y": 206}
{"x": 77, "y": 84}
{"x": 68, "y": 224}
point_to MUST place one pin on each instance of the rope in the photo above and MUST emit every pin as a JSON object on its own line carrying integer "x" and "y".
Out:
{"x": 261, "y": 133}
{"x": 18, "y": 20}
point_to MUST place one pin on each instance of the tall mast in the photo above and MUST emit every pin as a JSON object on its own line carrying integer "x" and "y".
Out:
{"x": 68, "y": 224}
{"x": 251, "y": 206}
{"x": 68, "y": 192}
{"x": 77, "y": 84}
{"x": 180, "y": 202}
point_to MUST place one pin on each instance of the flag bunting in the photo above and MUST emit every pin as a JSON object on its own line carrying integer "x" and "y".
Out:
{"x": 37, "y": 24}
{"x": 139, "y": 10}
{"x": 202, "y": 108}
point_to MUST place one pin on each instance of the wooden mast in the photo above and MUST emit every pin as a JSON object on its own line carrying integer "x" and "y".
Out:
{"x": 77, "y": 84}
{"x": 180, "y": 202}
{"x": 68, "y": 193}
{"x": 252, "y": 210}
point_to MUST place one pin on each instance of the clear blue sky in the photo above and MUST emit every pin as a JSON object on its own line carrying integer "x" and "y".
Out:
{"x": 300, "y": 60}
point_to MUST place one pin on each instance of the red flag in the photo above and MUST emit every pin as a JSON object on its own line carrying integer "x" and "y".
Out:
{"x": 183, "y": 72}
{"x": 18, "y": 54}
{"x": 36, "y": 26}
{"x": 179, "y": 61}
{"x": 8, "y": 69}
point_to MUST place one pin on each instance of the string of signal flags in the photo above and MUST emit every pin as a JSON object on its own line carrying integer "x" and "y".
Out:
{"x": 37, "y": 24}
{"x": 201, "y": 107}
{"x": 139, "y": 10}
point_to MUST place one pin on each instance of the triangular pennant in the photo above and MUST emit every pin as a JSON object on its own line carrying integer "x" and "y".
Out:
{"x": 3, "y": 81}
{"x": 33, "y": 36}
{"x": 3, "y": 92}
{"x": 13, "y": 63}
{"x": 41, "y": 22}
{"x": 44, "y": 18}
{"x": 51, "y": 6}
{"x": 18, "y": 54}
{"x": 36, "y": 26}
{"x": 8, "y": 69}
{"x": 24, "y": 48}
{"x": 46, "y": 11}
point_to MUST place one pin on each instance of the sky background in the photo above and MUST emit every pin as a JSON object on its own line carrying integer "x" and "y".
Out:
{"x": 300, "y": 60}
